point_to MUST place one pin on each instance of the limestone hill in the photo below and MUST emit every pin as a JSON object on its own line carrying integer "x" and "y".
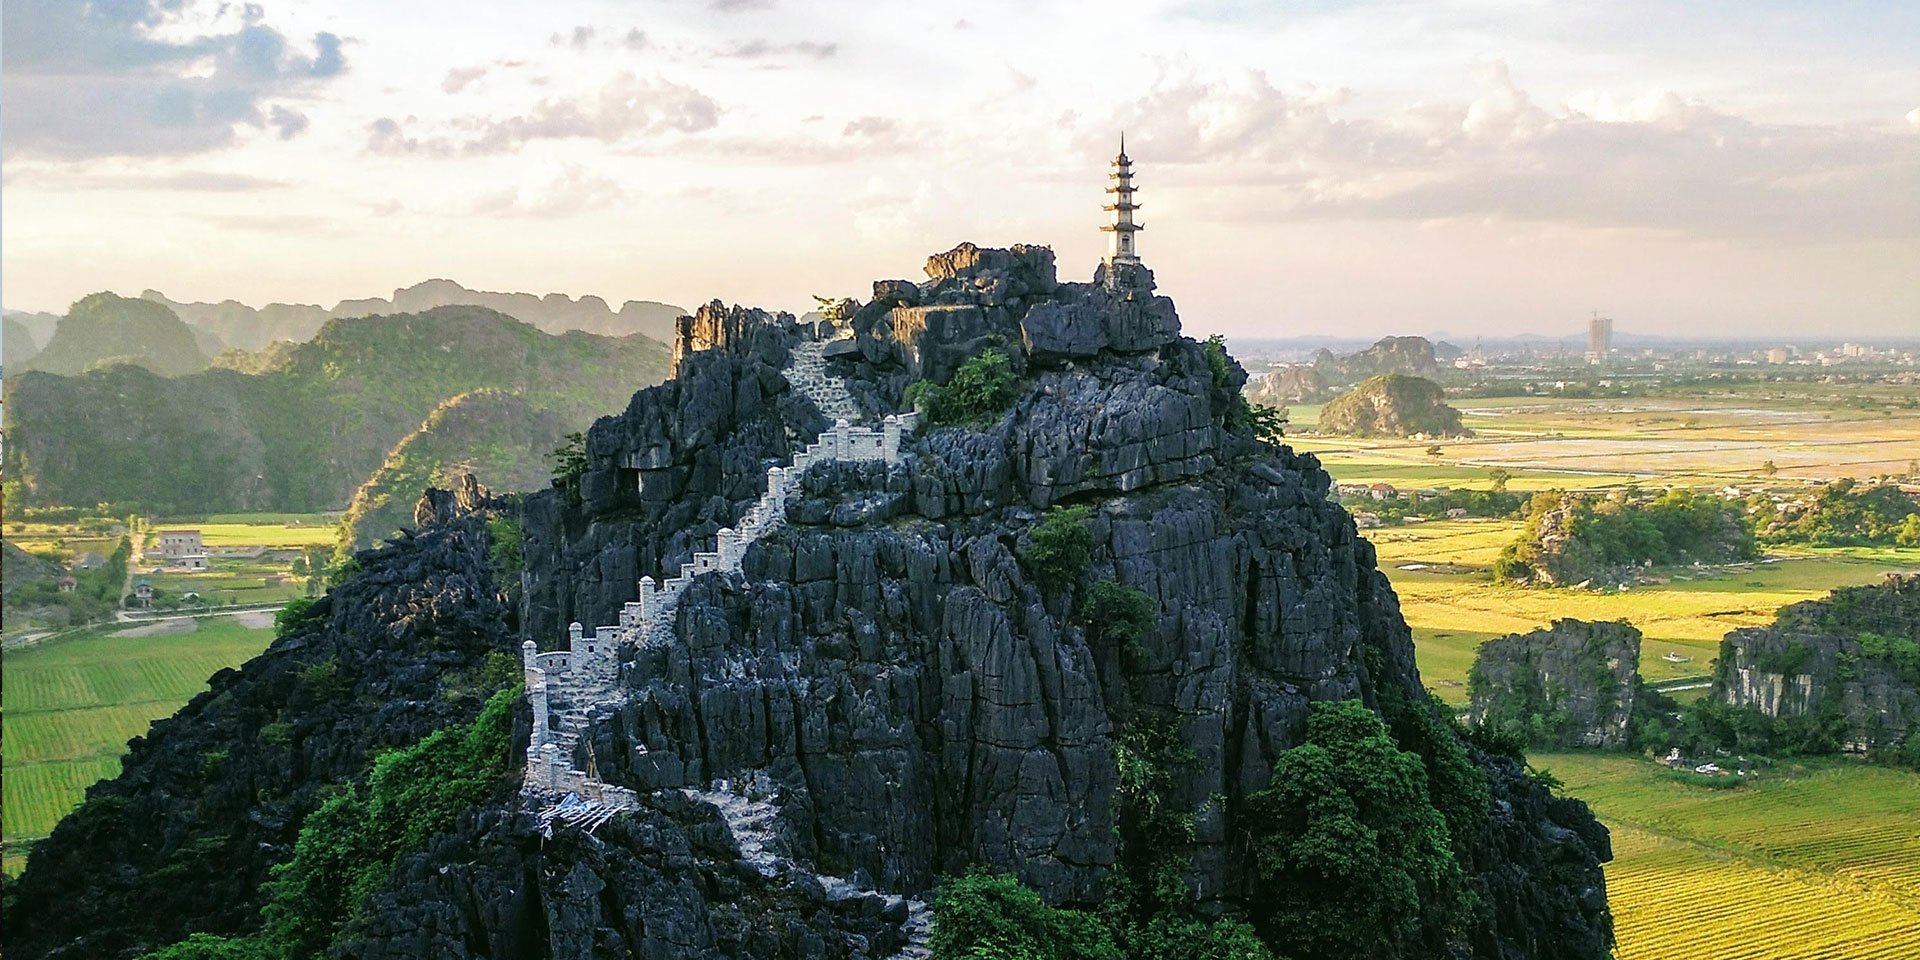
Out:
{"x": 485, "y": 433}
{"x": 104, "y": 330}
{"x": 1411, "y": 356}
{"x": 1067, "y": 636}
{"x": 17, "y": 345}
{"x": 308, "y": 429}
{"x": 1392, "y": 405}
{"x": 1853, "y": 658}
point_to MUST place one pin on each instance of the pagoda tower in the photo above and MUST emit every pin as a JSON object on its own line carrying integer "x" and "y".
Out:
{"x": 1121, "y": 245}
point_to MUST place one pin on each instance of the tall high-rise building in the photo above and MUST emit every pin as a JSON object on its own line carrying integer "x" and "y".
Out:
{"x": 1599, "y": 338}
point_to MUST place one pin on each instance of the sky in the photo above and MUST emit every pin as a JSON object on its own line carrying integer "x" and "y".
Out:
{"x": 1480, "y": 167}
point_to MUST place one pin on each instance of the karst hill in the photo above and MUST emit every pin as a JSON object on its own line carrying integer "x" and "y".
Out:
{"x": 985, "y": 577}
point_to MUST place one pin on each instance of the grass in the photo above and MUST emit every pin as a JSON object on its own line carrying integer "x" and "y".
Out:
{"x": 1820, "y": 859}
{"x": 73, "y": 704}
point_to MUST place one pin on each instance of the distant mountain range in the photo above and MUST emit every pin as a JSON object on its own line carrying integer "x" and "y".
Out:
{"x": 232, "y": 324}
{"x": 300, "y": 427}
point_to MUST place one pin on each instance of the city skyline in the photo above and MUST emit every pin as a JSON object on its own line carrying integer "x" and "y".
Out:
{"x": 1484, "y": 168}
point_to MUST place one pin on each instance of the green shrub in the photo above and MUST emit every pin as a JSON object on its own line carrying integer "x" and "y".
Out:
{"x": 347, "y": 847}
{"x": 206, "y": 946}
{"x": 504, "y": 550}
{"x": 979, "y": 391}
{"x": 984, "y": 916}
{"x": 296, "y": 614}
{"x": 1059, "y": 547}
{"x": 1120, "y": 616}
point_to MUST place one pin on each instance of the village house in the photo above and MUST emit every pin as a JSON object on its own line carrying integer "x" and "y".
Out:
{"x": 175, "y": 544}
{"x": 1383, "y": 491}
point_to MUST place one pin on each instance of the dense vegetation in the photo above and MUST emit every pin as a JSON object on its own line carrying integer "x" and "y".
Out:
{"x": 1570, "y": 538}
{"x": 1392, "y": 405}
{"x": 103, "y": 330}
{"x": 493, "y": 435}
{"x": 349, "y": 845}
{"x": 1843, "y": 513}
{"x": 1411, "y": 356}
{"x": 302, "y": 435}
{"x": 33, "y": 587}
{"x": 980, "y": 389}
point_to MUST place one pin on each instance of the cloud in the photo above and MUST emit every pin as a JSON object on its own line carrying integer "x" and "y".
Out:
{"x": 1913, "y": 118}
{"x": 870, "y": 127}
{"x": 553, "y": 190}
{"x": 286, "y": 123}
{"x": 626, "y": 107}
{"x": 1659, "y": 161}
{"x": 738, "y": 6}
{"x": 636, "y": 39}
{"x": 765, "y": 49}
{"x": 459, "y": 78}
{"x": 151, "y": 77}
{"x": 206, "y": 181}
{"x": 578, "y": 39}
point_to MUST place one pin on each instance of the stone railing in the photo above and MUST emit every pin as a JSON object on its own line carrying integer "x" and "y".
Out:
{"x": 584, "y": 674}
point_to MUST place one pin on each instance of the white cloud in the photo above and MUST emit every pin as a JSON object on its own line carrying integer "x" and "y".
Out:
{"x": 554, "y": 190}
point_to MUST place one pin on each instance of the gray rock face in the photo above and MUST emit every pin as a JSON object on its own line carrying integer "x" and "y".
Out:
{"x": 1843, "y": 653}
{"x": 919, "y": 702}
{"x": 1578, "y": 679}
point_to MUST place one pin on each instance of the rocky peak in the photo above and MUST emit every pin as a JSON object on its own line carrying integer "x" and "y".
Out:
{"x": 1570, "y": 685}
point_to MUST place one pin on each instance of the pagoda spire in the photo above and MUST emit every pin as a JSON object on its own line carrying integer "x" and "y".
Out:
{"x": 1122, "y": 246}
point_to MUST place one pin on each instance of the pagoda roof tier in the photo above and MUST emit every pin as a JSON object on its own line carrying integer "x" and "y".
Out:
{"x": 1123, "y": 188}
{"x": 1122, "y": 227}
{"x": 1121, "y": 206}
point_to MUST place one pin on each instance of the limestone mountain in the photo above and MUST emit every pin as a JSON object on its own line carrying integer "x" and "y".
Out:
{"x": 487, "y": 433}
{"x": 306, "y": 430}
{"x": 17, "y": 345}
{"x": 247, "y": 328}
{"x": 37, "y": 324}
{"x": 1570, "y": 685}
{"x": 1066, "y": 633}
{"x": 1392, "y": 405}
{"x": 1297, "y": 384}
{"x": 103, "y": 330}
{"x": 1853, "y": 658}
{"x": 1411, "y": 356}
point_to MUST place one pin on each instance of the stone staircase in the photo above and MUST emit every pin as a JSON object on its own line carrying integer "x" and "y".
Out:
{"x": 571, "y": 686}
{"x": 807, "y": 371}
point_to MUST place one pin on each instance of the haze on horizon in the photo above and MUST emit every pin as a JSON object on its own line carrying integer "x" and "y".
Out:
{"x": 1484, "y": 167}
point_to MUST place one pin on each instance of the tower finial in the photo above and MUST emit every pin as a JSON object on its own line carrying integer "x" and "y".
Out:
{"x": 1123, "y": 143}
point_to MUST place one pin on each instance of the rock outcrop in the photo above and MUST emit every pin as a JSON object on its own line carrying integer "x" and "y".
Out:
{"x": 1855, "y": 654}
{"x": 1408, "y": 356}
{"x": 1288, "y": 385}
{"x": 1570, "y": 685}
{"x": 915, "y": 699}
{"x": 885, "y": 690}
{"x": 1392, "y": 405}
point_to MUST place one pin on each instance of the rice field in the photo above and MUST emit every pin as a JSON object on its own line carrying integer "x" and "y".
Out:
{"x": 72, "y": 705}
{"x": 1453, "y": 605}
{"x": 1805, "y": 861}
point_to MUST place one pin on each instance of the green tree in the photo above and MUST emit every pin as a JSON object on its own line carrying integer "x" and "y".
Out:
{"x": 1119, "y": 615}
{"x": 569, "y": 462}
{"x": 980, "y": 390}
{"x": 1351, "y": 857}
{"x": 1497, "y": 479}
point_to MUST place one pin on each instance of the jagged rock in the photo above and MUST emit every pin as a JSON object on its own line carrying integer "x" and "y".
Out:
{"x": 164, "y": 850}
{"x": 439, "y": 506}
{"x": 1578, "y": 678}
{"x": 905, "y": 694}
{"x": 1838, "y": 654}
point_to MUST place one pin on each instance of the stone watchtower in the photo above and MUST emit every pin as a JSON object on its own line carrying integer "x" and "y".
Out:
{"x": 1121, "y": 269}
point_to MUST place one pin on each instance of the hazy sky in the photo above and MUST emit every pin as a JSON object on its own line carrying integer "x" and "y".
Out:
{"x": 1486, "y": 166}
